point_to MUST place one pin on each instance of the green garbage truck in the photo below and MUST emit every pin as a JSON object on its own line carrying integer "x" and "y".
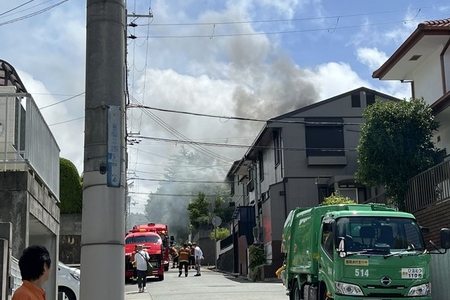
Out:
{"x": 356, "y": 252}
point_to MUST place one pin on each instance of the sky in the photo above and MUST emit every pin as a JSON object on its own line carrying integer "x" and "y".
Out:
{"x": 196, "y": 63}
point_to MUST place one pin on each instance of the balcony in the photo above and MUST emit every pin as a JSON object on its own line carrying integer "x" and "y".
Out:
{"x": 432, "y": 185}
{"x": 26, "y": 142}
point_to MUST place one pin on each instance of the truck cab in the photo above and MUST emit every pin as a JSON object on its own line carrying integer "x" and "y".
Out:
{"x": 350, "y": 252}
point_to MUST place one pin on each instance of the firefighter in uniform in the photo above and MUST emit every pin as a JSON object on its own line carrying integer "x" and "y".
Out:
{"x": 183, "y": 260}
{"x": 174, "y": 255}
{"x": 134, "y": 278}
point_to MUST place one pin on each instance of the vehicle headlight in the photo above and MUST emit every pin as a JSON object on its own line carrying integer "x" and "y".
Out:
{"x": 420, "y": 290}
{"x": 348, "y": 289}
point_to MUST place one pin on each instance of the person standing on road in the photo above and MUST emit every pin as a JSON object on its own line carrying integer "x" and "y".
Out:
{"x": 141, "y": 258}
{"x": 174, "y": 255}
{"x": 183, "y": 260}
{"x": 34, "y": 267}
{"x": 198, "y": 253}
{"x": 133, "y": 260}
{"x": 191, "y": 256}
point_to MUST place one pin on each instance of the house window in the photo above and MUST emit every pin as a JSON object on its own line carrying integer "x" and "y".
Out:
{"x": 261, "y": 166}
{"x": 356, "y": 100}
{"x": 326, "y": 138}
{"x": 251, "y": 180}
{"x": 232, "y": 190}
{"x": 370, "y": 99}
{"x": 277, "y": 147}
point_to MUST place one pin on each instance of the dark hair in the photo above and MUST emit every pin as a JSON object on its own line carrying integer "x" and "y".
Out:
{"x": 32, "y": 261}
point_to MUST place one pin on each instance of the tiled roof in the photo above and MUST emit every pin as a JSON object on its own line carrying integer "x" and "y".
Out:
{"x": 438, "y": 23}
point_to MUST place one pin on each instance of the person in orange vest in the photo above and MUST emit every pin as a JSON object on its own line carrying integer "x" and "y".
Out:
{"x": 183, "y": 260}
{"x": 34, "y": 267}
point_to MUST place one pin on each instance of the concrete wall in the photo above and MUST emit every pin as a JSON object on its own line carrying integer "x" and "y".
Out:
{"x": 13, "y": 200}
{"x": 5, "y": 256}
{"x": 70, "y": 239}
{"x": 34, "y": 216}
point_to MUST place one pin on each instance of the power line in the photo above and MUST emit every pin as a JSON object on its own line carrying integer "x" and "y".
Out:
{"x": 246, "y": 146}
{"x": 59, "y": 102}
{"x": 242, "y": 118}
{"x": 38, "y": 12}
{"x": 295, "y": 19}
{"x": 180, "y": 181}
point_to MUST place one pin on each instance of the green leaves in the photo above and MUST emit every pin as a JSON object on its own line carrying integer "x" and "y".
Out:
{"x": 336, "y": 198}
{"x": 396, "y": 145}
{"x": 71, "y": 194}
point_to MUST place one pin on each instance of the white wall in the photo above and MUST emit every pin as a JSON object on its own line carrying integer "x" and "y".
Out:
{"x": 447, "y": 69}
{"x": 427, "y": 79}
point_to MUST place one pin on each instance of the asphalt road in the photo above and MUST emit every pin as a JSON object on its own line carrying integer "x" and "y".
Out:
{"x": 211, "y": 285}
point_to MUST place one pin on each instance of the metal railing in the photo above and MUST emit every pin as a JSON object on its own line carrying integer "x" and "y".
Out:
{"x": 26, "y": 142}
{"x": 428, "y": 187}
{"x": 16, "y": 278}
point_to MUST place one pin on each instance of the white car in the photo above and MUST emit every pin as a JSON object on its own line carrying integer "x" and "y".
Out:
{"x": 69, "y": 281}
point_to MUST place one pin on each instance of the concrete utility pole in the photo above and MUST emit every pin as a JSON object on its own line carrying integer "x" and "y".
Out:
{"x": 103, "y": 222}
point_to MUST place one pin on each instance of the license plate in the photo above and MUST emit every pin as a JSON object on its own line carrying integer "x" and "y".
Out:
{"x": 412, "y": 273}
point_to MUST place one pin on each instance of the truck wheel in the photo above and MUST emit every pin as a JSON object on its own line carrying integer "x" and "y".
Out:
{"x": 295, "y": 293}
{"x": 323, "y": 292}
{"x": 166, "y": 268}
{"x": 68, "y": 293}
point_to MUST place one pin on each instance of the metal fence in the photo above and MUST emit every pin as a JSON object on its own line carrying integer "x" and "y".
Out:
{"x": 16, "y": 278}
{"x": 26, "y": 142}
{"x": 428, "y": 187}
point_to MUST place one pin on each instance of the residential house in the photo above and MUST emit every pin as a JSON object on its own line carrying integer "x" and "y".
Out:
{"x": 423, "y": 61}
{"x": 29, "y": 184}
{"x": 298, "y": 159}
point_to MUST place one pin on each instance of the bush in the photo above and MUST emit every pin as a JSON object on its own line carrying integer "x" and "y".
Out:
{"x": 257, "y": 261}
{"x": 336, "y": 198}
{"x": 220, "y": 233}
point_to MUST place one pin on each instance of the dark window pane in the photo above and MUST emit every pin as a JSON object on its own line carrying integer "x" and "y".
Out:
{"x": 370, "y": 99}
{"x": 356, "y": 100}
{"x": 325, "y": 139}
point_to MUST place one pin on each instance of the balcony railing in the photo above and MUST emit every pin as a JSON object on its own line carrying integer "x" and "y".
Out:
{"x": 428, "y": 187}
{"x": 26, "y": 142}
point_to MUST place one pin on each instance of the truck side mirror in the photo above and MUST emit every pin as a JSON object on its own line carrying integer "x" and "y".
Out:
{"x": 445, "y": 238}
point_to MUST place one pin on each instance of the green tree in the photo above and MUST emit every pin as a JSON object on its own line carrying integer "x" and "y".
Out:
{"x": 220, "y": 233}
{"x": 222, "y": 206}
{"x": 336, "y": 198}
{"x": 396, "y": 145}
{"x": 71, "y": 194}
{"x": 199, "y": 211}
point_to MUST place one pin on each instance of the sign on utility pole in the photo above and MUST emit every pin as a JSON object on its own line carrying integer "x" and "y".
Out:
{"x": 216, "y": 221}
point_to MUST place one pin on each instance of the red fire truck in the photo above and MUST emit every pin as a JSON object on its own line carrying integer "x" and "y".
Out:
{"x": 153, "y": 243}
{"x": 163, "y": 232}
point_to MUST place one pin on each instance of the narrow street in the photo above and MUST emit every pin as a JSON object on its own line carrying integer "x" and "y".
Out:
{"x": 211, "y": 285}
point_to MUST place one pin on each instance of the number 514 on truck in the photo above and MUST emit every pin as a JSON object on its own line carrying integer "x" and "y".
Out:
{"x": 356, "y": 252}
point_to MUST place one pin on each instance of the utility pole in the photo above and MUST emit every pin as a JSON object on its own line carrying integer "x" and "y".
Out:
{"x": 103, "y": 216}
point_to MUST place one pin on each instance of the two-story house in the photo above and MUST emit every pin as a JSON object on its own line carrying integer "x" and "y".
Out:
{"x": 29, "y": 182}
{"x": 423, "y": 60}
{"x": 298, "y": 159}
